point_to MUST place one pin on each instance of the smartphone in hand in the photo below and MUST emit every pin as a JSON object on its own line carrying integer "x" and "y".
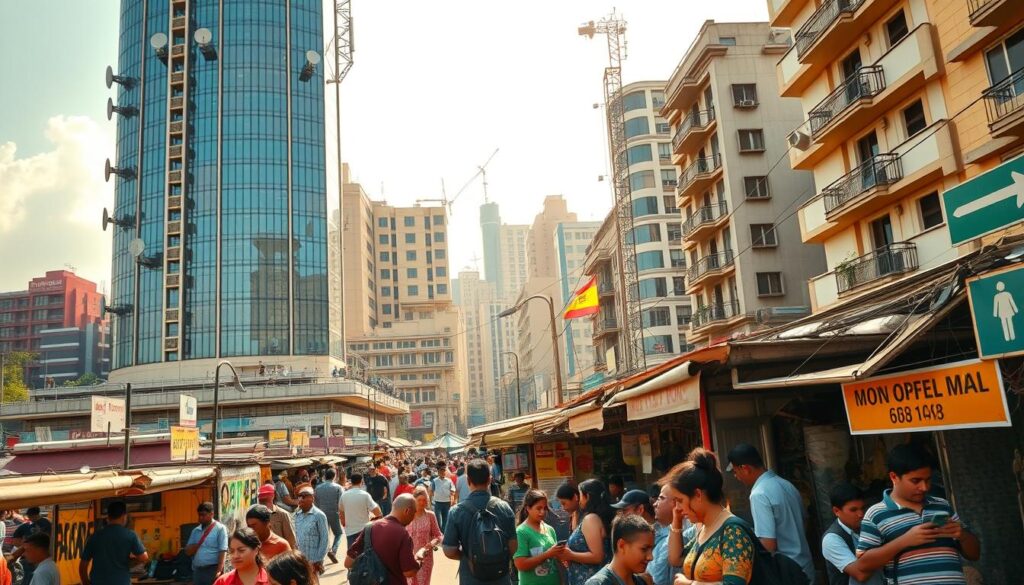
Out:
{"x": 936, "y": 518}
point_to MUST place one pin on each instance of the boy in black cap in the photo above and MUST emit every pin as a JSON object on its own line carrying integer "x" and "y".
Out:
{"x": 636, "y": 502}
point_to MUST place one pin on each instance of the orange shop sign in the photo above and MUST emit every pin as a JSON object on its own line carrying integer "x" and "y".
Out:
{"x": 961, "y": 395}
{"x": 676, "y": 398}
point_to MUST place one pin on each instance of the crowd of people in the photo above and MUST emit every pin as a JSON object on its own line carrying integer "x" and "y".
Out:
{"x": 395, "y": 514}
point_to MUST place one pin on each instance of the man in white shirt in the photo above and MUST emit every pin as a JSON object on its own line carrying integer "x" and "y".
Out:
{"x": 357, "y": 509}
{"x": 37, "y": 552}
{"x": 444, "y": 494}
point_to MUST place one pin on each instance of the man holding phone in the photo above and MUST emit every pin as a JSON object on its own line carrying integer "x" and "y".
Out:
{"x": 916, "y": 537}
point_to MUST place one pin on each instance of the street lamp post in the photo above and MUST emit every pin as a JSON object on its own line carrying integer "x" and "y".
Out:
{"x": 216, "y": 402}
{"x": 519, "y": 385}
{"x": 554, "y": 337}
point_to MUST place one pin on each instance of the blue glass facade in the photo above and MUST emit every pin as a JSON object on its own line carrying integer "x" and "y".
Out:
{"x": 253, "y": 261}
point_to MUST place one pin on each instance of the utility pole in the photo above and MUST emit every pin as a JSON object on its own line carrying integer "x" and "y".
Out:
{"x": 614, "y": 28}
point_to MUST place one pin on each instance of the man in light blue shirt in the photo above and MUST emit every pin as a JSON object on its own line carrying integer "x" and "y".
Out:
{"x": 775, "y": 505}
{"x": 207, "y": 545}
{"x": 462, "y": 486}
{"x": 311, "y": 529}
{"x": 661, "y": 572}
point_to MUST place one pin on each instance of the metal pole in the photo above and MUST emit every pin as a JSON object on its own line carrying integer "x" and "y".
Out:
{"x": 3, "y": 365}
{"x": 554, "y": 350}
{"x": 519, "y": 384}
{"x": 127, "y": 424}
{"x": 216, "y": 404}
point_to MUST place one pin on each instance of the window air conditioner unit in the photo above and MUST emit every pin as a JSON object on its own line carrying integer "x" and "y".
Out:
{"x": 799, "y": 140}
{"x": 746, "y": 104}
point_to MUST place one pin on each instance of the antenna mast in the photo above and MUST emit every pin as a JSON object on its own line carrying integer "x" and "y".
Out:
{"x": 614, "y": 28}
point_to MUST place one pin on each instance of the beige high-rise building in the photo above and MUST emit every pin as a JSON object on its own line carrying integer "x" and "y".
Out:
{"x": 479, "y": 304}
{"x": 571, "y": 241}
{"x": 746, "y": 264}
{"x": 542, "y": 259}
{"x": 399, "y": 316}
{"x": 513, "y": 263}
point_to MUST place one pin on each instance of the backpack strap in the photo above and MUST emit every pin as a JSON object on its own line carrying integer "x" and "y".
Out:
{"x": 367, "y": 543}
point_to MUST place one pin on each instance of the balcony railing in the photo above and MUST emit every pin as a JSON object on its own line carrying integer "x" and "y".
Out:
{"x": 707, "y": 214}
{"x": 717, "y": 312}
{"x": 708, "y": 264}
{"x": 699, "y": 166}
{"x": 692, "y": 121}
{"x": 879, "y": 170}
{"x": 976, "y": 6}
{"x": 821, "y": 20}
{"x": 866, "y": 82}
{"x": 605, "y": 325}
{"x": 895, "y": 258}
{"x": 1005, "y": 97}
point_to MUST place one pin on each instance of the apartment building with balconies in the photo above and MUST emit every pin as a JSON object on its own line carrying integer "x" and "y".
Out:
{"x": 746, "y": 263}
{"x": 902, "y": 101}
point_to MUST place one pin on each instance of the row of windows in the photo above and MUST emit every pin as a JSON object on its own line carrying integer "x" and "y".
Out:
{"x": 410, "y": 238}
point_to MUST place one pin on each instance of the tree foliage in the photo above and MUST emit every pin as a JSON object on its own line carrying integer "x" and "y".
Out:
{"x": 86, "y": 379}
{"x": 15, "y": 389}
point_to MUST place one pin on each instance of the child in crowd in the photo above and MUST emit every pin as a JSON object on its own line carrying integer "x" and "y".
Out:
{"x": 633, "y": 543}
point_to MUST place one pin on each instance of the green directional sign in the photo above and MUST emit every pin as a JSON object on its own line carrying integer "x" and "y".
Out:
{"x": 986, "y": 203}
{"x": 997, "y": 308}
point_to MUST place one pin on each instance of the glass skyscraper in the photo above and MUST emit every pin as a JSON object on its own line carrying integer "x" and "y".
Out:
{"x": 222, "y": 172}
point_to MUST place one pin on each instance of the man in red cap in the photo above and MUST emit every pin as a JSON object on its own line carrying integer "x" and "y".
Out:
{"x": 280, "y": 521}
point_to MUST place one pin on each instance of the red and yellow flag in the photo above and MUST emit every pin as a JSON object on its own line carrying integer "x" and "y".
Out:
{"x": 585, "y": 303}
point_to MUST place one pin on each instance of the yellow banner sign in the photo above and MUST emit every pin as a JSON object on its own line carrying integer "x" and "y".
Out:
{"x": 960, "y": 395}
{"x": 554, "y": 460}
{"x": 277, "y": 436}
{"x": 184, "y": 443}
{"x": 299, "y": 439}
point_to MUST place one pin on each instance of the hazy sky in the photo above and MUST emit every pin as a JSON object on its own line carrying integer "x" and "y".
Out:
{"x": 436, "y": 87}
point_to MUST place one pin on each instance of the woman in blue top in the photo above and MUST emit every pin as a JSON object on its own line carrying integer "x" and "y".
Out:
{"x": 589, "y": 547}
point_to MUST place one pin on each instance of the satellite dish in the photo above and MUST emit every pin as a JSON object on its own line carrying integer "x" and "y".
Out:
{"x": 158, "y": 41}
{"x": 136, "y": 247}
{"x": 106, "y": 218}
{"x": 110, "y": 108}
{"x": 203, "y": 36}
{"x": 110, "y": 77}
{"x": 107, "y": 169}
{"x": 312, "y": 57}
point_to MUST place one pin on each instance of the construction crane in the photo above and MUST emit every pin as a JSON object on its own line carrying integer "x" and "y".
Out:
{"x": 481, "y": 171}
{"x": 614, "y": 28}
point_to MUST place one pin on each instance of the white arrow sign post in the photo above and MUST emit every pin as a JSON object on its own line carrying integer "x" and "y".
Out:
{"x": 986, "y": 203}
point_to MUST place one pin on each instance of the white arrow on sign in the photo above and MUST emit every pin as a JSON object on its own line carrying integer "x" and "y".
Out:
{"x": 1016, "y": 189}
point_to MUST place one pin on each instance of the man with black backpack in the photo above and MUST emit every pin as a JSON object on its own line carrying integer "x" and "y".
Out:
{"x": 481, "y": 532}
{"x": 382, "y": 553}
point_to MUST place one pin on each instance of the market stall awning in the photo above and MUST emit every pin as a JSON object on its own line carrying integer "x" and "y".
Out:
{"x": 20, "y": 491}
{"x": 514, "y": 431}
{"x": 447, "y": 441}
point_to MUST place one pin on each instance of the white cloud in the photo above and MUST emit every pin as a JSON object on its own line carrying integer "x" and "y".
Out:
{"x": 50, "y": 204}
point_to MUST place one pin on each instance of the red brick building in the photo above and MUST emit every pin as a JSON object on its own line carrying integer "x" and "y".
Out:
{"x": 59, "y": 318}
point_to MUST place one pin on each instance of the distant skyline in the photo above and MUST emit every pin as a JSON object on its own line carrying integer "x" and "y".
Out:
{"x": 434, "y": 90}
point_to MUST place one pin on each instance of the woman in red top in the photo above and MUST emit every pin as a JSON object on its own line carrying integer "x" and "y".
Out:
{"x": 244, "y": 549}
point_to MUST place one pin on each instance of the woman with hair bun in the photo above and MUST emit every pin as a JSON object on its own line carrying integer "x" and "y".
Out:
{"x": 720, "y": 548}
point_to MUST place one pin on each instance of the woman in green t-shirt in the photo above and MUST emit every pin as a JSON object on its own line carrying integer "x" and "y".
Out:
{"x": 537, "y": 554}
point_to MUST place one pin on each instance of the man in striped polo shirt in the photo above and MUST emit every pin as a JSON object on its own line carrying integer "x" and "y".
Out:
{"x": 906, "y": 508}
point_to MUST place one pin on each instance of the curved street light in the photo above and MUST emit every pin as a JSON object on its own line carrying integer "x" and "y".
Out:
{"x": 554, "y": 337}
{"x": 216, "y": 402}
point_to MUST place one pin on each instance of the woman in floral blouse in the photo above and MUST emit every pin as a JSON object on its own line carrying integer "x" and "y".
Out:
{"x": 719, "y": 545}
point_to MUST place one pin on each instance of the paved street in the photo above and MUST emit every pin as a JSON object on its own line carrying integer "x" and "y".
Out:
{"x": 445, "y": 571}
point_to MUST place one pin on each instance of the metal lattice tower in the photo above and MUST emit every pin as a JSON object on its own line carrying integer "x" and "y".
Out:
{"x": 342, "y": 43}
{"x": 614, "y": 28}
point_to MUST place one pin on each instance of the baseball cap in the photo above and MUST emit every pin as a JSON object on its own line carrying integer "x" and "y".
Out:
{"x": 632, "y": 498}
{"x": 266, "y": 490}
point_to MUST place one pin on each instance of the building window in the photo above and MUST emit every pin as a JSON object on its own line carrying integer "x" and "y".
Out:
{"x": 385, "y": 291}
{"x": 665, "y": 150}
{"x": 652, "y": 288}
{"x": 650, "y": 260}
{"x": 441, "y": 272}
{"x": 410, "y": 255}
{"x": 637, "y": 127}
{"x": 438, "y": 237}
{"x": 769, "y": 284}
{"x": 642, "y": 180}
{"x": 668, "y": 178}
{"x": 752, "y": 140}
{"x": 931, "y": 211}
{"x": 410, "y": 238}
{"x": 657, "y": 344}
{"x": 683, "y": 315}
{"x": 744, "y": 95}
{"x": 728, "y": 41}
{"x": 413, "y": 290}
{"x": 410, "y": 221}
{"x": 896, "y": 28}
{"x": 679, "y": 285}
{"x": 382, "y": 222}
{"x": 1006, "y": 57}
{"x": 411, "y": 273}
{"x": 913, "y": 116}
{"x": 645, "y": 206}
{"x": 646, "y": 233}
{"x": 662, "y": 127}
{"x": 657, "y": 317}
{"x": 657, "y": 100}
{"x": 638, "y": 154}
{"x": 386, "y": 309}
{"x": 438, "y": 220}
{"x": 442, "y": 289}
{"x": 439, "y": 254}
{"x": 670, "y": 204}
{"x": 385, "y": 273}
{"x": 634, "y": 101}
{"x": 675, "y": 232}
{"x": 384, "y": 257}
{"x": 383, "y": 239}
{"x": 763, "y": 235}
{"x": 756, "y": 187}
{"x": 678, "y": 258}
